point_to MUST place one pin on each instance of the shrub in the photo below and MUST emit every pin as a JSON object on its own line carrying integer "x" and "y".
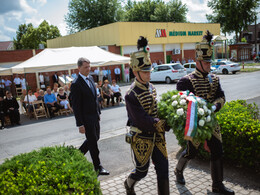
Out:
{"x": 51, "y": 170}
{"x": 240, "y": 129}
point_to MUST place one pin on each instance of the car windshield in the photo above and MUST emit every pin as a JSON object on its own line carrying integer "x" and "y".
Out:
{"x": 228, "y": 62}
{"x": 177, "y": 66}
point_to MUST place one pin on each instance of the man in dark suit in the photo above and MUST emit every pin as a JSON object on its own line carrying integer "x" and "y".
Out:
{"x": 12, "y": 108}
{"x": 55, "y": 78}
{"x": 86, "y": 109}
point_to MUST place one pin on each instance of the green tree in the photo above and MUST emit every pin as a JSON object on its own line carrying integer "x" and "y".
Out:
{"x": 141, "y": 11}
{"x": 233, "y": 15}
{"x": 28, "y": 37}
{"x": 85, "y": 14}
{"x": 173, "y": 11}
{"x": 22, "y": 29}
{"x": 156, "y": 11}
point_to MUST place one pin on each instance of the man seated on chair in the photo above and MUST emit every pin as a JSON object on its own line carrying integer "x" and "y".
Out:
{"x": 107, "y": 93}
{"x": 12, "y": 108}
{"x": 116, "y": 91}
{"x": 28, "y": 100}
{"x": 51, "y": 101}
{"x": 41, "y": 95}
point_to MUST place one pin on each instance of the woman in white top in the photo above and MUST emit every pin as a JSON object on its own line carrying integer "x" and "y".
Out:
{"x": 116, "y": 91}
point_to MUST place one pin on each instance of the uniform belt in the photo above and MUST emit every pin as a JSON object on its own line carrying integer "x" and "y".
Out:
{"x": 135, "y": 129}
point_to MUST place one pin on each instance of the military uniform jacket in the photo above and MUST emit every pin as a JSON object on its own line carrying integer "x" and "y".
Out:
{"x": 141, "y": 105}
{"x": 206, "y": 87}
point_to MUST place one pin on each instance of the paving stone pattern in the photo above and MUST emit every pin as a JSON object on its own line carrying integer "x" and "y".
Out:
{"x": 197, "y": 182}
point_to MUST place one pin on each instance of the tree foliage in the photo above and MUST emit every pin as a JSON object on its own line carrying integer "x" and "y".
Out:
{"x": 156, "y": 11}
{"x": 85, "y": 14}
{"x": 233, "y": 15}
{"x": 28, "y": 37}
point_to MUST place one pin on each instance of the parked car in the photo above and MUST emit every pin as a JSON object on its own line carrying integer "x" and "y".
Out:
{"x": 190, "y": 67}
{"x": 168, "y": 72}
{"x": 226, "y": 67}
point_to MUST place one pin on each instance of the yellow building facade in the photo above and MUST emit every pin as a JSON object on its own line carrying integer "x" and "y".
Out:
{"x": 167, "y": 41}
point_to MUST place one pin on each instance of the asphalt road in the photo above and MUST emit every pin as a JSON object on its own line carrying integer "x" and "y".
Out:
{"x": 115, "y": 153}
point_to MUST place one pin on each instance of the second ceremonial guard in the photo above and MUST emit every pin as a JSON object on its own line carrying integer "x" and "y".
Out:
{"x": 206, "y": 86}
{"x": 147, "y": 131}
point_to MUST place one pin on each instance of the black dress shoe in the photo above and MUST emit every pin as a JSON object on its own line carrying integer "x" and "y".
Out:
{"x": 179, "y": 177}
{"x": 221, "y": 189}
{"x": 102, "y": 171}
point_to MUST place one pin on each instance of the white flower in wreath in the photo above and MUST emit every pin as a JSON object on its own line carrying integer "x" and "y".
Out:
{"x": 174, "y": 103}
{"x": 201, "y": 123}
{"x": 213, "y": 108}
{"x": 174, "y": 96}
{"x": 183, "y": 96}
{"x": 183, "y": 102}
{"x": 209, "y": 111}
{"x": 199, "y": 100}
{"x": 203, "y": 102}
{"x": 205, "y": 108}
{"x": 201, "y": 111}
{"x": 208, "y": 119}
{"x": 180, "y": 111}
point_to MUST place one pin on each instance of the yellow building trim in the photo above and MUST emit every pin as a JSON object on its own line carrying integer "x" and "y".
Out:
{"x": 127, "y": 33}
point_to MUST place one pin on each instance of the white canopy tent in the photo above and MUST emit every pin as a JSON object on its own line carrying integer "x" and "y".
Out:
{"x": 5, "y": 71}
{"x": 66, "y": 59}
{"x": 219, "y": 38}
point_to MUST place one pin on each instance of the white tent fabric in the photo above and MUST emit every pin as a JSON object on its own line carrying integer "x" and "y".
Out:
{"x": 66, "y": 58}
{"x": 219, "y": 38}
{"x": 5, "y": 71}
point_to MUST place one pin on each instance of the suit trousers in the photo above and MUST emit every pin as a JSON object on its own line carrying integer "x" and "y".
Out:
{"x": 92, "y": 132}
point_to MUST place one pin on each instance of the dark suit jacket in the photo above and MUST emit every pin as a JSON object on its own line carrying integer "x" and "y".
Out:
{"x": 54, "y": 78}
{"x": 11, "y": 104}
{"x": 84, "y": 102}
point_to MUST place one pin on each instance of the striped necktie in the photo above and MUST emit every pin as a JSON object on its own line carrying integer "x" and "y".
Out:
{"x": 91, "y": 85}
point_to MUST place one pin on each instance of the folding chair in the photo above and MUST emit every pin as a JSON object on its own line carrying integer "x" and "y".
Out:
{"x": 39, "y": 109}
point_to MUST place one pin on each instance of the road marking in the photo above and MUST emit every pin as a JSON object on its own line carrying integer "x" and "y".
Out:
{"x": 106, "y": 135}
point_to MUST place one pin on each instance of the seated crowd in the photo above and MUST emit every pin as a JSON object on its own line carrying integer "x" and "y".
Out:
{"x": 54, "y": 100}
{"x": 108, "y": 92}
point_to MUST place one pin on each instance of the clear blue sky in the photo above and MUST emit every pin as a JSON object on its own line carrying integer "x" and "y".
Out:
{"x": 16, "y": 12}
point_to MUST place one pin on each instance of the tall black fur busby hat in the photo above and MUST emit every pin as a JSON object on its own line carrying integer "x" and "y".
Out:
{"x": 140, "y": 60}
{"x": 204, "y": 49}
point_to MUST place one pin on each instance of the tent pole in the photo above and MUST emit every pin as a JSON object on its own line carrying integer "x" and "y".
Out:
{"x": 37, "y": 79}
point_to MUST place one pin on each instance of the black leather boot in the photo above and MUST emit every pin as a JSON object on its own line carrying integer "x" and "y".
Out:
{"x": 182, "y": 163}
{"x": 217, "y": 178}
{"x": 163, "y": 187}
{"x": 129, "y": 186}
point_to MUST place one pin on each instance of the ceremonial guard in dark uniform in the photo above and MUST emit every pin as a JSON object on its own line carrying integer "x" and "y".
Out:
{"x": 206, "y": 86}
{"x": 146, "y": 129}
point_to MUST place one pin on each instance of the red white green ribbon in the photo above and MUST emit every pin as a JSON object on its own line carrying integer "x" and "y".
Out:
{"x": 191, "y": 118}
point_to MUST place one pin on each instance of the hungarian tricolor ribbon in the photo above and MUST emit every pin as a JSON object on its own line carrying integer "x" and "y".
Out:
{"x": 192, "y": 118}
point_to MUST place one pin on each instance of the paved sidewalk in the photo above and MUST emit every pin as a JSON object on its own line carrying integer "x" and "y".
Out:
{"x": 197, "y": 182}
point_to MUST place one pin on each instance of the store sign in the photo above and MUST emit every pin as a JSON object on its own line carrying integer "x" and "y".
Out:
{"x": 162, "y": 33}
